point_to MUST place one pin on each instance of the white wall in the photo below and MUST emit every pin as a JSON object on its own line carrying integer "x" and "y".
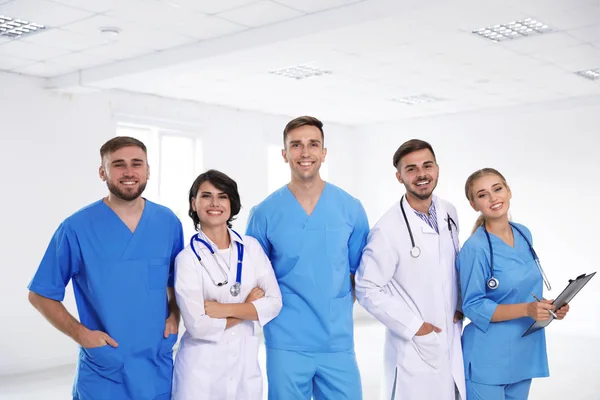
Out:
{"x": 49, "y": 147}
{"x": 549, "y": 155}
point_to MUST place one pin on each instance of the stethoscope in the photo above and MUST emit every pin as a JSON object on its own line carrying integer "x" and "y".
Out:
{"x": 415, "y": 250}
{"x": 493, "y": 282}
{"x": 237, "y": 286}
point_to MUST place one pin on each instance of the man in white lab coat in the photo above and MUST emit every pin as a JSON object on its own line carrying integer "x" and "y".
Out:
{"x": 407, "y": 280}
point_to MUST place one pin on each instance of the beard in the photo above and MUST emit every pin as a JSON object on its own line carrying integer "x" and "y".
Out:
{"x": 421, "y": 195}
{"x": 126, "y": 195}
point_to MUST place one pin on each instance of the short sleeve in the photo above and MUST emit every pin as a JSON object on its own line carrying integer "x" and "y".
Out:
{"x": 358, "y": 237}
{"x": 177, "y": 247}
{"x": 473, "y": 268}
{"x": 257, "y": 228}
{"x": 59, "y": 264}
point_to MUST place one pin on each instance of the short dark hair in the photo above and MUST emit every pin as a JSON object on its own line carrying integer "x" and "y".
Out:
{"x": 119, "y": 142}
{"x": 303, "y": 121}
{"x": 410, "y": 147}
{"x": 221, "y": 182}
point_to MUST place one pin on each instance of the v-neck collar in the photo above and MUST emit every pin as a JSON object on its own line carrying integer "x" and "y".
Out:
{"x": 315, "y": 208}
{"x": 499, "y": 239}
{"x": 122, "y": 223}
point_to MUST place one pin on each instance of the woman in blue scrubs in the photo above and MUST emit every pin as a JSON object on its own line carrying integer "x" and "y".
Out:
{"x": 499, "y": 362}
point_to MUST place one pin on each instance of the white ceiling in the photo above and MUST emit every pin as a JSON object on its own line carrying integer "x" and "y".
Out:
{"x": 221, "y": 52}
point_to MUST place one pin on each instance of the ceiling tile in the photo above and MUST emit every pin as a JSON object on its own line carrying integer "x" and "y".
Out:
{"x": 310, "y": 6}
{"x": 573, "y": 58}
{"x": 117, "y": 51}
{"x": 576, "y": 17}
{"x": 587, "y": 34}
{"x": 8, "y": 63}
{"x": 43, "y": 12}
{"x": 64, "y": 39}
{"x": 5, "y": 39}
{"x": 95, "y": 6}
{"x": 130, "y": 32}
{"x": 153, "y": 14}
{"x": 207, "y": 27}
{"x": 207, "y": 6}
{"x": 46, "y": 69}
{"x": 551, "y": 42}
{"x": 20, "y": 49}
{"x": 261, "y": 13}
{"x": 82, "y": 60}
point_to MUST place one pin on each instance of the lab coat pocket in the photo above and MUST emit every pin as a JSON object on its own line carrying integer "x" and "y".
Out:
{"x": 429, "y": 349}
{"x": 340, "y": 317}
{"x": 105, "y": 361}
{"x": 158, "y": 273}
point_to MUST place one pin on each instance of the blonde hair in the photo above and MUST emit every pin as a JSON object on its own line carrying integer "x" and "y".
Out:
{"x": 469, "y": 186}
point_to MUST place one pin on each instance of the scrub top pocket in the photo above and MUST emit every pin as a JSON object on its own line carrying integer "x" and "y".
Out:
{"x": 104, "y": 361}
{"x": 340, "y": 317}
{"x": 167, "y": 344}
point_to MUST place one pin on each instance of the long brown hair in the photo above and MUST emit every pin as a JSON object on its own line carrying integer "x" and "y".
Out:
{"x": 469, "y": 186}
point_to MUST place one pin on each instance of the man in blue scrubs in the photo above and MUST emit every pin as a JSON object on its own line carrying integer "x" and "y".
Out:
{"x": 118, "y": 252}
{"x": 314, "y": 234}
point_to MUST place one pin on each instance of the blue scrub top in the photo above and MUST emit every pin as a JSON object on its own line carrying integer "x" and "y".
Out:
{"x": 119, "y": 281}
{"x": 494, "y": 352}
{"x": 313, "y": 257}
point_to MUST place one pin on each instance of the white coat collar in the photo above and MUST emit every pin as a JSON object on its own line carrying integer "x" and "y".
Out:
{"x": 414, "y": 220}
{"x": 233, "y": 236}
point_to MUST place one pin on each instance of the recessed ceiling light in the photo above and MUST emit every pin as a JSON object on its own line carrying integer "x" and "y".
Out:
{"x": 513, "y": 30}
{"x": 110, "y": 31}
{"x": 300, "y": 72}
{"x": 591, "y": 74}
{"x": 16, "y": 28}
{"x": 415, "y": 100}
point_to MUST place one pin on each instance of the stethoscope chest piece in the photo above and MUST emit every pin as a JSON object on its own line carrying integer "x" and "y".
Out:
{"x": 235, "y": 289}
{"x": 493, "y": 283}
{"x": 415, "y": 251}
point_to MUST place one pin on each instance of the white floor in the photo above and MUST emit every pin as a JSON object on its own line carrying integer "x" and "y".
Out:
{"x": 574, "y": 367}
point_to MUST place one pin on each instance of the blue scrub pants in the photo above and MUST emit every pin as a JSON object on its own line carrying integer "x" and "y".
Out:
{"x": 514, "y": 391}
{"x": 296, "y": 375}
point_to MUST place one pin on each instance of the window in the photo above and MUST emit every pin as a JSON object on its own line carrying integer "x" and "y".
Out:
{"x": 175, "y": 160}
{"x": 279, "y": 171}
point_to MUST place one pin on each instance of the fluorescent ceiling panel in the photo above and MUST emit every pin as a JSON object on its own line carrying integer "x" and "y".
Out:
{"x": 300, "y": 72}
{"x": 16, "y": 28}
{"x": 591, "y": 74}
{"x": 416, "y": 100}
{"x": 513, "y": 30}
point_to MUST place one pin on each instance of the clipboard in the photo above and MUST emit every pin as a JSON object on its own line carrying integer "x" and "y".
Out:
{"x": 574, "y": 286}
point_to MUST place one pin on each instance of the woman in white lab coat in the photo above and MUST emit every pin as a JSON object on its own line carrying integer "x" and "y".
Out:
{"x": 223, "y": 283}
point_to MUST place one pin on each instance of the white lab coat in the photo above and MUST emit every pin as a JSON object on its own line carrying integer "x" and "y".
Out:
{"x": 403, "y": 292}
{"x": 212, "y": 362}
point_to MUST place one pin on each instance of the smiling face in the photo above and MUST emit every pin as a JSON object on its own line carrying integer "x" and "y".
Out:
{"x": 304, "y": 152}
{"x": 490, "y": 195}
{"x": 212, "y": 206}
{"x": 125, "y": 172}
{"x": 418, "y": 172}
